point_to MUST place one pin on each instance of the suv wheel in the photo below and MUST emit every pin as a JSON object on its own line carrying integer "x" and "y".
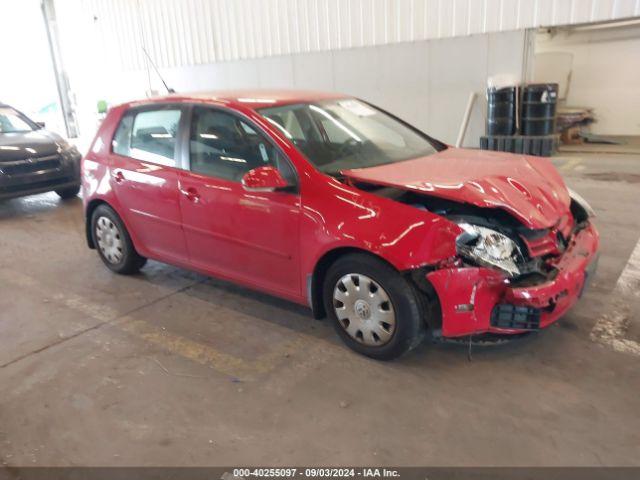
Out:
{"x": 68, "y": 193}
{"x": 375, "y": 310}
{"x": 113, "y": 242}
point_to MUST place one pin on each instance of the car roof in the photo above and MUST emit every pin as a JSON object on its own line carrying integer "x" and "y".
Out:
{"x": 253, "y": 99}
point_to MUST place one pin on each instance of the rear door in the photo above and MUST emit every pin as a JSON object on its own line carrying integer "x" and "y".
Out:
{"x": 144, "y": 178}
{"x": 251, "y": 237}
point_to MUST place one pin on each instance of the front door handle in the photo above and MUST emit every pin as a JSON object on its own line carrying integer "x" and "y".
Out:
{"x": 192, "y": 194}
{"x": 118, "y": 176}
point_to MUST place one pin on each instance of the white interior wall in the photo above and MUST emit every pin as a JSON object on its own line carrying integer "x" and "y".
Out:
{"x": 419, "y": 58}
{"x": 192, "y": 32}
{"x": 426, "y": 83}
{"x": 605, "y": 74}
{"x": 440, "y": 50}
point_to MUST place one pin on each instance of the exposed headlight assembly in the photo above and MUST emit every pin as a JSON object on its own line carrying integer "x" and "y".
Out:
{"x": 488, "y": 247}
{"x": 576, "y": 197}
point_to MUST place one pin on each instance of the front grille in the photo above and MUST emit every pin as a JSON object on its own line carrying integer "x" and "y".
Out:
{"x": 22, "y": 167}
{"x": 516, "y": 317}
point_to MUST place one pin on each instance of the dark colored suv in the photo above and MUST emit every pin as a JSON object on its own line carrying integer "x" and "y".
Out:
{"x": 33, "y": 160}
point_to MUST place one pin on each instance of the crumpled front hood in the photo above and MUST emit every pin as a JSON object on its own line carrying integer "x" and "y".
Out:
{"x": 530, "y": 188}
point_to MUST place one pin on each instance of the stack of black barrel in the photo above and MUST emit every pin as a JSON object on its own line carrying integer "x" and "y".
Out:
{"x": 522, "y": 119}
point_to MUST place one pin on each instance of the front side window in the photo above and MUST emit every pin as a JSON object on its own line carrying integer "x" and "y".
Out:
{"x": 149, "y": 135}
{"x": 224, "y": 146}
{"x": 14, "y": 122}
{"x": 342, "y": 134}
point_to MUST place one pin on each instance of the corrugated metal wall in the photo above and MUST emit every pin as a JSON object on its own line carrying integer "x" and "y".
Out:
{"x": 192, "y": 32}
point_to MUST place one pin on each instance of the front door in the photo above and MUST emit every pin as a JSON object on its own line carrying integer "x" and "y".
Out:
{"x": 250, "y": 237}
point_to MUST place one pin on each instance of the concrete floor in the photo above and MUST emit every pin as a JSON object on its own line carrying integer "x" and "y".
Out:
{"x": 172, "y": 368}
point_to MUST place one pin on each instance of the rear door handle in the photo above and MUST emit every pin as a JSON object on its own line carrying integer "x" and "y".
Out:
{"x": 192, "y": 194}
{"x": 118, "y": 176}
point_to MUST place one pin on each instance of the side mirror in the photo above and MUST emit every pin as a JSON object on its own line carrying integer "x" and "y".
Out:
{"x": 264, "y": 179}
{"x": 40, "y": 125}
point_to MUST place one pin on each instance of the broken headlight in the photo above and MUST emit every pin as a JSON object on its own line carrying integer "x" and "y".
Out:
{"x": 489, "y": 248}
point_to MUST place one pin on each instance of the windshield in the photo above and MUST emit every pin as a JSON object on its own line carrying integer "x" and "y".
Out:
{"x": 342, "y": 134}
{"x": 13, "y": 122}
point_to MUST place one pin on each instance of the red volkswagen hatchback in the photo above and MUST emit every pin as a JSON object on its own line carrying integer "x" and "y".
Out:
{"x": 331, "y": 202}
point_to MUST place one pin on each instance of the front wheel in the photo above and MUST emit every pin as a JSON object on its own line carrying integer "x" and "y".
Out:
{"x": 67, "y": 193}
{"x": 113, "y": 242}
{"x": 375, "y": 310}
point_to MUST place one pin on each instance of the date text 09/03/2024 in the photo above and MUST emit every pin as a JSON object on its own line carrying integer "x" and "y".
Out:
{"x": 311, "y": 473}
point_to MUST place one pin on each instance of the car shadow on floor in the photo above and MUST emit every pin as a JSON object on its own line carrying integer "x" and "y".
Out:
{"x": 297, "y": 318}
{"x": 27, "y": 207}
{"x": 245, "y": 301}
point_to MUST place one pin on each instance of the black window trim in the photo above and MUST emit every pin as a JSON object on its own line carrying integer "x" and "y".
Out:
{"x": 185, "y": 135}
{"x": 135, "y": 110}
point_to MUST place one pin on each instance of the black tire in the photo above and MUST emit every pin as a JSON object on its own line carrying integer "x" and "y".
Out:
{"x": 68, "y": 193}
{"x": 410, "y": 326}
{"x": 130, "y": 261}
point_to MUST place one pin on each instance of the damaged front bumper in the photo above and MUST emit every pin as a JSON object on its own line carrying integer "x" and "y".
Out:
{"x": 478, "y": 300}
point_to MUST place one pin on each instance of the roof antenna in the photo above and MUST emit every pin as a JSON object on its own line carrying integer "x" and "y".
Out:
{"x": 169, "y": 90}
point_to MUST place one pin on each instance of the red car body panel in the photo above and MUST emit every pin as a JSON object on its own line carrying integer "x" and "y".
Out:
{"x": 243, "y": 235}
{"x": 218, "y": 228}
{"x": 530, "y": 188}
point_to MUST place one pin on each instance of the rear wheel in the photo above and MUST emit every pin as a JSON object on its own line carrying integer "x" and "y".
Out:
{"x": 375, "y": 310}
{"x": 67, "y": 193}
{"x": 113, "y": 242}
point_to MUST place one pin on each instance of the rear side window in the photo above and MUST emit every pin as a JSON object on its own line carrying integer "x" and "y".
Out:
{"x": 149, "y": 135}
